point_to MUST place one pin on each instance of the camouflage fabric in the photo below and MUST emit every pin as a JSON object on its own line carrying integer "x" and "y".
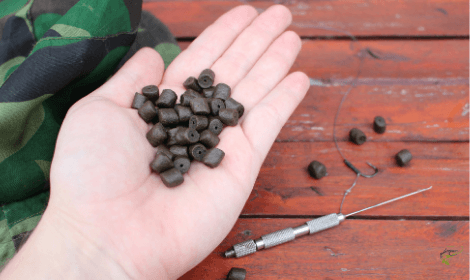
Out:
{"x": 52, "y": 53}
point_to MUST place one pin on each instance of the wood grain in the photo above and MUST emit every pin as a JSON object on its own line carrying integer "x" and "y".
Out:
{"x": 356, "y": 249}
{"x": 284, "y": 186}
{"x": 311, "y": 18}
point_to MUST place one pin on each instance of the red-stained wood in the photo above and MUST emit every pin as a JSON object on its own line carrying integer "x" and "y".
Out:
{"x": 284, "y": 186}
{"x": 311, "y": 18}
{"x": 356, "y": 249}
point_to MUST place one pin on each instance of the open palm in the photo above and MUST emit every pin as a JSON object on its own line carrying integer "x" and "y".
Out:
{"x": 101, "y": 182}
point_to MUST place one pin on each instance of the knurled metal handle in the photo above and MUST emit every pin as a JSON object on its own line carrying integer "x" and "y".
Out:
{"x": 278, "y": 237}
{"x": 323, "y": 223}
{"x": 245, "y": 248}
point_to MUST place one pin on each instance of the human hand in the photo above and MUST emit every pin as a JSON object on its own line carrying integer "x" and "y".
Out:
{"x": 102, "y": 189}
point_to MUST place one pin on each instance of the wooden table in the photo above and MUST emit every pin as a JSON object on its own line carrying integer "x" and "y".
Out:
{"x": 413, "y": 57}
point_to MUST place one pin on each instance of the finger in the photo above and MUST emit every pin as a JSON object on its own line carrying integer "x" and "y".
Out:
{"x": 144, "y": 68}
{"x": 270, "y": 69}
{"x": 263, "y": 123}
{"x": 251, "y": 44}
{"x": 210, "y": 45}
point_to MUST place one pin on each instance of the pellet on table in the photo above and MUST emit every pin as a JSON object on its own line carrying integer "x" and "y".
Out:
{"x": 151, "y": 92}
{"x": 236, "y": 274}
{"x": 138, "y": 101}
{"x": 215, "y": 125}
{"x": 233, "y": 104}
{"x": 213, "y": 157}
{"x": 178, "y": 150}
{"x": 168, "y": 116}
{"x": 206, "y": 78}
{"x": 208, "y": 139}
{"x": 215, "y": 105}
{"x": 403, "y": 157}
{"x": 172, "y": 177}
{"x": 182, "y": 164}
{"x": 379, "y": 125}
{"x": 208, "y": 92}
{"x": 184, "y": 113}
{"x": 157, "y": 135}
{"x": 167, "y": 99}
{"x": 161, "y": 163}
{"x": 199, "y": 106}
{"x": 171, "y": 140}
{"x": 162, "y": 149}
{"x": 222, "y": 91}
{"x": 198, "y": 122}
{"x": 357, "y": 136}
{"x": 317, "y": 170}
{"x": 147, "y": 112}
{"x": 187, "y": 136}
{"x": 197, "y": 151}
{"x": 229, "y": 116}
{"x": 192, "y": 83}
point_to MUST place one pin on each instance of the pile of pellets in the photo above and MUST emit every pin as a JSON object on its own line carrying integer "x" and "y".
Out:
{"x": 189, "y": 130}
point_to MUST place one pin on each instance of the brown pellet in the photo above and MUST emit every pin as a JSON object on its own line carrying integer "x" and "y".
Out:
{"x": 167, "y": 99}
{"x": 199, "y": 106}
{"x": 191, "y": 83}
{"x": 162, "y": 149}
{"x": 357, "y": 136}
{"x": 229, "y": 116}
{"x": 236, "y": 274}
{"x": 168, "y": 116}
{"x": 161, "y": 163}
{"x": 216, "y": 105}
{"x": 187, "y": 96}
{"x": 215, "y": 125}
{"x": 147, "y": 112}
{"x": 182, "y": 164}
{"x": 233, "y": 104}
{"x": 317, "y": 170}
{"x": 198, "y": 123}
{"x": 222, "y": 91}
{"x": 157, "y": 135}
{"x": 187, "y": 136}
{"x": 172, "y": 177}
{"x": 184, "y": 113}
{"x": 179, "y": 151}
{"x": 197, "y": 151}
{"x": 171, "y": 140}
{"x": 213, "y": 157}
{"x": 208, "y": 139}
{"x": 138, "y": 101}
{"x": 151, "y": 92}
{"x": 403, "y": 157}
{"x": 379, "y": 125}
{"x": 206, "y": 78}
{"x": 208, "y": 92}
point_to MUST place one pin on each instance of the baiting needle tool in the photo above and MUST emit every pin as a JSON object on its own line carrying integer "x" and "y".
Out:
{"x": 285, "y": 235}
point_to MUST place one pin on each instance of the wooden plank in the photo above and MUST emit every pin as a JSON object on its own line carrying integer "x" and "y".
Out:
{"x": 356, "y": 249}
{"x": 284, "y": 186}
{"x": 311, "y": 18}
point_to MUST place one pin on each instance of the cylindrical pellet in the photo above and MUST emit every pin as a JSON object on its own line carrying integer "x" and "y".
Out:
{"x": 216, "y": 105}
{"x": 179, "y": 151}
{"x": 184, "y": 113}
{"x": 187, "y": 136}
{"x": 192, "y": 83}
{"x": 161, "y": 163}
{"x": 357, "y": 136}
{"x": 157, "y": 135}
{"x": 172, "y": 177}
{"x": 208, "y": 92}
{"x": 233, "y": 104}
{"x": 197, "y": 151}
{"x": 162, "y": 149}
{"x": 171, "y": 140}
{"x": 198, "y": 122}
{"x": 151, "y": 92}
{"x": 187, "y": 96}
{"x": 147, "y": 112}
{"x": 213, "y": 157}
{"x": 379, "y": 125}
{"x": 168, "y": 116}
{"x": 236, "y": 274}
{"x": 199, "y": 106}
{"x": 206, "y": 78}
{"x": 138, "y": 101}
{"x": 215, "y": 126}
{"x": 229, "y": 116}
{"x": 222, "y": 91}
{"x": 208, "y": 139}
{"x": 317, "y": 170}
{"x": 403, "y": 157}
{"x": 167, "y": 99}
{"x": 182, "y": 164}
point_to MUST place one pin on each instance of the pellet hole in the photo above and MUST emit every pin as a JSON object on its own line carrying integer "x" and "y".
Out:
{"x": 216, "y": 127}
{"x": 199, "y": 152}
{"x": 181, "y": 165}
